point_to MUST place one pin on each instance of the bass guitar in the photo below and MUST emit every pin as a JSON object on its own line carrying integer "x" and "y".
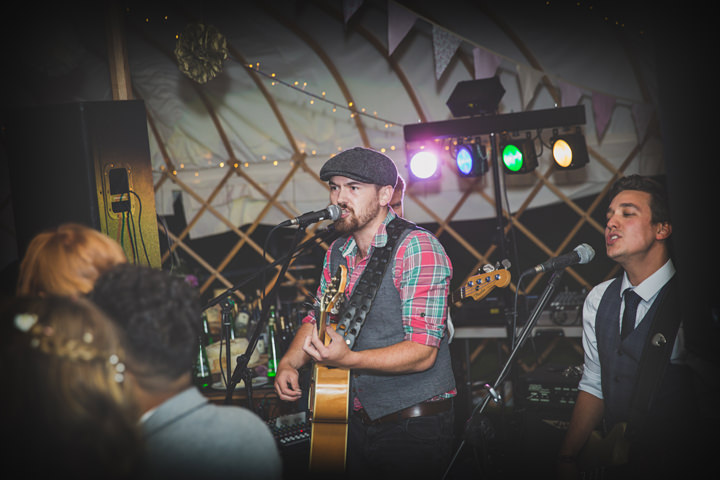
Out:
{"x": 329, "y": 398}
{"x": 478, "y": 286}
{"x": 602, "y": 453}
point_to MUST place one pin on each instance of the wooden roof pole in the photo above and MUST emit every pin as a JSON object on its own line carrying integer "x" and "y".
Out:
{"x": 120, "y": 82}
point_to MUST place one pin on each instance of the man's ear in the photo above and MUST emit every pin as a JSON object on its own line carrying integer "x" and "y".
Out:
{"x": 664, "y": 230}
{"x": 385, "y": 194}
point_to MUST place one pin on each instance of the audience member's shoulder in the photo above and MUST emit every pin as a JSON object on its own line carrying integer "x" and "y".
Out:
{"x": 239, "y": 415}
{"x": 225, "y": 416}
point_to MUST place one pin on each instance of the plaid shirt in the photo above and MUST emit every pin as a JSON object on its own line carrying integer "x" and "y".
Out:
{"x": 422, "y": 276}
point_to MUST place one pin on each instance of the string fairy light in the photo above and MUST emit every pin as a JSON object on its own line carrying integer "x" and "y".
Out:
{"x": 335, "y": 105}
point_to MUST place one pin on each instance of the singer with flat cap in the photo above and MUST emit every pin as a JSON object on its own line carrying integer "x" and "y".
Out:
{"x": 401, "y": 380}
{"x": 636, "y": 388}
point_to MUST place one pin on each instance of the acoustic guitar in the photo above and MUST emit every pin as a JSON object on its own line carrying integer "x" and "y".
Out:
{"x": 329, "y": 398}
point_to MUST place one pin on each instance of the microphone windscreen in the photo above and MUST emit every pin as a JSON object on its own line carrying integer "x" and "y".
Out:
{"x": 585, "y": 252}
{"x": 335, "y": 212}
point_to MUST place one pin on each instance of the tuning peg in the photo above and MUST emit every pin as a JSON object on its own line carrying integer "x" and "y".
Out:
{"x": 506, "y": 263}
{"x": 487, "y": 268}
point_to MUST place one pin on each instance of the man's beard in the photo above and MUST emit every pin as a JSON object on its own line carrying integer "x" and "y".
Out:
{"x": 352, "y": 223}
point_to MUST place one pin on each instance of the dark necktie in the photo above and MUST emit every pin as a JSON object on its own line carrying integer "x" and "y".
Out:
{"x": 631, "y": 303}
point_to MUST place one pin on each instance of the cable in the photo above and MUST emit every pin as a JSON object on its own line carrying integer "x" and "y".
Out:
{"x": 516, "y": 256}
{"x": 142, "y": 238}
{"x": 122, "y": 230}
{"x": 131, "y": 234}
{"x": 174, "y": 259}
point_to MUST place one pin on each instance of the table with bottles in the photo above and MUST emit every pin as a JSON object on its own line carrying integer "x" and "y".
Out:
{"x": 211, "y": 364}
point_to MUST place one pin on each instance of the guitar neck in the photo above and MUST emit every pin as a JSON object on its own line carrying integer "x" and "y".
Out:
{"x": 478, "y": 286}
{"x": 457, "y": 296}
{"x": 322, "y": 326}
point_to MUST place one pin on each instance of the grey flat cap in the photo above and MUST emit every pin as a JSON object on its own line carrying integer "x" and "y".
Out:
{"x": 363, "y": 165}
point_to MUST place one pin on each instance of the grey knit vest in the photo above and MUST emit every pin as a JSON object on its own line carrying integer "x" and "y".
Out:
{"x": 381, "y": 395}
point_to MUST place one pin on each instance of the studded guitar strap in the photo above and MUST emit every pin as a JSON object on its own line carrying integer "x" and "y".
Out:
{"x": 354, "y": 311}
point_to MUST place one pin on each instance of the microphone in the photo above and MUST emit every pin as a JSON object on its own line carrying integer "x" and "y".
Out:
{"x": 583, "y": 253}
{"x": 332, "y": 212}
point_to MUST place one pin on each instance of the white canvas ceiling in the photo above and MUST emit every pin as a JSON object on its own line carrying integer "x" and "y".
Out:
{"x": 314, "y": 58}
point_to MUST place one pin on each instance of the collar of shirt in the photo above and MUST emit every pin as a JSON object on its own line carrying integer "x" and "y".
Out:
{"x": 146, "y": 415}
{"x": 651, "y": 285}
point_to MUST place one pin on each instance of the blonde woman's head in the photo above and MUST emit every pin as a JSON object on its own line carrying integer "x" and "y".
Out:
{"x": 67, "y": 260}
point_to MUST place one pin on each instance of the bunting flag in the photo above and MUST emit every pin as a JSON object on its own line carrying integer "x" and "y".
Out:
{"x": 529, "y": 79}
{"x": 602, "y": 107}
{"x": 486, "y": 63}
{"x": 569, "y": 94}
{"x": 350, "y": 7}
{"x": 642, "y": 114}
{"x": 445, "y": 44}
{"x": 400, "y": 21}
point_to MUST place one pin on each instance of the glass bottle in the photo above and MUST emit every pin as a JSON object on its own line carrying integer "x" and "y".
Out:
{"x": 201, "y": 371}
{"x": 241, "y": 323}
{"x": 206, "y": 338}
{"x": 272, "y": 345}
{"x": 232, "y": 315}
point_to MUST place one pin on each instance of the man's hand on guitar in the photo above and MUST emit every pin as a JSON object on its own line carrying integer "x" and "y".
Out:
{"x": 336, "y": 353}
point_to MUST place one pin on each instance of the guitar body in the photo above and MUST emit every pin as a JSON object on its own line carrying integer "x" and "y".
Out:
{"x": 603, "y": 452}
{"x": 329, "y": 409}
{"x": 329, "y": 399}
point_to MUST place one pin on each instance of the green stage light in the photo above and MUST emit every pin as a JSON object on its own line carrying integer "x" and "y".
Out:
{"x": 518, "y": 156}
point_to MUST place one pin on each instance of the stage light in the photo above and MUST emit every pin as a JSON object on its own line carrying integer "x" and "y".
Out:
{"x": 518, "y": 155}
{"x": 569, "y": 151}
{"x": 471, "y": 159}
{"x": 424, "y": 165}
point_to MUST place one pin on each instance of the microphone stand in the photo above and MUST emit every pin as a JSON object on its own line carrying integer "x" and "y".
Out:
{"x": 529, "y": 325}
{"x": 329, "y": 232}
{"x": 242, "y": 372}
{"x": 226, "y": 308}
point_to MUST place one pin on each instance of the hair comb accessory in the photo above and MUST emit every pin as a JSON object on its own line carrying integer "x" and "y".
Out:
{"x": 119, "y": 368}
{"x": 25, "y": 321}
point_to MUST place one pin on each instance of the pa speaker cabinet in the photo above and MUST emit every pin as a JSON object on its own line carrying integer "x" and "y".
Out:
{"x": 86, "y": 162}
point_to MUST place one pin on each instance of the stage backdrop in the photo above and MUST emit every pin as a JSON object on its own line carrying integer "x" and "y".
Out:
{"x": 246, "y": 100}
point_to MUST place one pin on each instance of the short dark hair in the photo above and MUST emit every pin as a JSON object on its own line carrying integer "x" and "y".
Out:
{"x": 159, "y": 313}
{"x": 400, "y": 184}
{"x": 659, "y": 205}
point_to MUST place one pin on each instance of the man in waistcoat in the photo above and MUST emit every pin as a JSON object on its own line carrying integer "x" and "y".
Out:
{"x": 626, "y": 321}
{"x": 401, "y": 380}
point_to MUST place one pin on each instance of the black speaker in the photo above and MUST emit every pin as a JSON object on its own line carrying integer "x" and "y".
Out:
{"x": 85, "y": 162}
{"x": 475, "y": 97}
